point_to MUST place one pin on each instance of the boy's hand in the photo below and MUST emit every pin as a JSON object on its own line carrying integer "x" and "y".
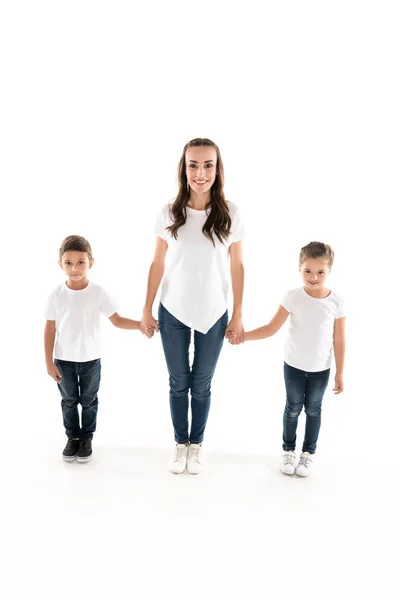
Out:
{"x": 148, "y": 324}
{"x": 235, "y": 331}
{"x": 230, "y": 336}
{"x": 54, "y": 372}
{"x": 338, "y": 389}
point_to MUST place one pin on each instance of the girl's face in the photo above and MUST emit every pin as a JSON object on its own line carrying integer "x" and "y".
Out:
{"x": 314, "y": 272}
{"x": 201, "y": 168}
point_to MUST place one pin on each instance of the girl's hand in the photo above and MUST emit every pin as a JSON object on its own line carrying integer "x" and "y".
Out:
{"x": 235, "y": 331}
{"x": 148, "y": 324}
{"x": 339, "y": 386}
{"x": 54, "y": 372}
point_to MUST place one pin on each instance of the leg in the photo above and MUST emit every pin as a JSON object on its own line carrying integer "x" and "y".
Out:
{"x": 207, "y": 348}
{"x": 295, "y": 382}
{"x": 175, "y": 337}
{"x": 89, "y": 383}
{"x": 69, "y": 397}
{"x": 315, "y": 390}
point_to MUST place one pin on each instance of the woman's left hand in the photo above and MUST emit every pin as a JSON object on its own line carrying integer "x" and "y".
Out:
{"x": 235, "y": 331}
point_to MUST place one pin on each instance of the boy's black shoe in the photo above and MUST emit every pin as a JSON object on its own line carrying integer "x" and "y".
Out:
{"x": 85, "y": 451}
{"x": 71, "y": 449}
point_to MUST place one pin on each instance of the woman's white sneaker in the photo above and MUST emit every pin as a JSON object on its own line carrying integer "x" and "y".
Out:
{"x": 179, "y": 458}
{"x": 304, "y": 467}
{"x": 195, "y": 463}
{"x": 288, "y": 461}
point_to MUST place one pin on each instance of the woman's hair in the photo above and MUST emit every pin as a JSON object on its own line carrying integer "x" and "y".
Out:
{"x": 75, "y": 243}
{"x": 218, "y": 221}
{"x": 317, "y": 250}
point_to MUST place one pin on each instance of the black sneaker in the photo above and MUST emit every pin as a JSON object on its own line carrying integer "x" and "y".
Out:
{"x": 85, "y": 451}
{"x": 71, "y": 449}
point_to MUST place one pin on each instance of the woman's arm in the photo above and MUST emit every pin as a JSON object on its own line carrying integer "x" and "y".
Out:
{"x": 268, "y": 330}
{"x": 156, "y": 273}
{"x": 235, "y": 325}
{"x": 339, "y": 347}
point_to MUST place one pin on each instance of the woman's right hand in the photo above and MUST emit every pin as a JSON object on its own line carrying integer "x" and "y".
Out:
{"x": 148, "y": 324}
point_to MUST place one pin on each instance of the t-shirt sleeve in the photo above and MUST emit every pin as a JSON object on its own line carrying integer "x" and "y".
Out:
{"x": 50, "y": 308}
{"x": 159, "y": 229}
{"x": 108, "y": 306}
{"x": 286, "y": 301}
{"x": 341, "y": 312}
{"x": 238, "y": 227}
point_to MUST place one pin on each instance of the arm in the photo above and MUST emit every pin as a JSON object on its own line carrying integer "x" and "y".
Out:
{"x": 156, "y": 273}
{"x": 49, "y": 338}
{"x": 123, "y": 322}
{"x": 268, "y": 330}
{"x": 235, "y": 326}
{"x": 339, "y": 346}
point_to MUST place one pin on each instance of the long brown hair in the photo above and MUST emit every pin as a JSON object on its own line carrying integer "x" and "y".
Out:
{"x": 219, "y": 220}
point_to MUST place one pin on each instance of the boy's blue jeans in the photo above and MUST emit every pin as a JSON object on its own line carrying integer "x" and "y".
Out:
{"x": 79, "y": 385}
{"x": 175, "y": 338}
{"x": 306, "y": 389}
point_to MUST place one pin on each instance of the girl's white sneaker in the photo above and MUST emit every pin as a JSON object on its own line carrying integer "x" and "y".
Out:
{"x": 195, "y": 463}
{"x": 288, "y": 462}
{"x": 179, "y": 458}
{"x": 304, "y": 467}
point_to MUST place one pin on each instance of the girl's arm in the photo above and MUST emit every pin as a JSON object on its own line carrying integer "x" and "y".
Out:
{"x": 123, "y": 322}
{"x": 235, "y": 325}
{"x": 267, "y": 330}
{"x": 49, "y": 338}
{"x": 156, "y": 273}
{"x": 339, "y": 347}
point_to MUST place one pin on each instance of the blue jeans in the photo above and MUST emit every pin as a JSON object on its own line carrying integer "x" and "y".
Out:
{"x": 175, "y": 338}
{"x": 79, "y": 385}
{"x": 303, "y": 388}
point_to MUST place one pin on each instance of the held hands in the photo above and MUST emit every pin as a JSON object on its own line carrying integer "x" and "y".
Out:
{"x": 235, "y": 331}
{"x": 338, "y": 389}
{"x": 148, "y": 325}
{"x": 54, "y": 372}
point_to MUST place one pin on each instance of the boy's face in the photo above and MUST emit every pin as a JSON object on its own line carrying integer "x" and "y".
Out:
{"x": 314, "y": 272}
{"x": 76, "y": 265}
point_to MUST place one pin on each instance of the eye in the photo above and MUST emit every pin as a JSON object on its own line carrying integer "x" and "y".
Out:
{"x": 81, "y": 262}
{"x": 192, "y": 166}
{"x": 209, "y": 166}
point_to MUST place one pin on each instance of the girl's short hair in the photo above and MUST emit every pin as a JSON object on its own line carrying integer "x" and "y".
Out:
{"x": 317, "y": 250}
{"x": 75, "y": 243}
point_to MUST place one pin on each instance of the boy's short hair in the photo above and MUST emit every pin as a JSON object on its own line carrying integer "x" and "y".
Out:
{"x": 317, "y": 250}
{"x": 75, "y": 243}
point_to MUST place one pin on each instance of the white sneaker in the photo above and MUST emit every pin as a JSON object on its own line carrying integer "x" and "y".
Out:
{"x": 195, "y": 463}
{"x": 304, "y": 467}
{"x": 288, "y": 460}
{"x": 179, "y": 458}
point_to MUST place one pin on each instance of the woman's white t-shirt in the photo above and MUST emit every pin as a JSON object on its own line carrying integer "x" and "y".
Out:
{"x": 309, "y": 343}
{"x": 195, "y": 284}
{"x": 77, "y": 316}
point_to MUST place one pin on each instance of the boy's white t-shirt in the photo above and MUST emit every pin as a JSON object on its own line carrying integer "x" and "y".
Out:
{"x": 309, "y": 343}
{"x": 77, "y": 317}
{"x": 195, "y": 284}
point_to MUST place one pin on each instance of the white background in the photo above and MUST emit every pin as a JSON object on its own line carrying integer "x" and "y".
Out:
{"x": 98, "y": 100}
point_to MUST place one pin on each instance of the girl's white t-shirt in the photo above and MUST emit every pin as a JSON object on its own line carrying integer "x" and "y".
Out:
{"x": 195, "y": 284}
{"x": 77, "y": 316}
{"x": 309, "y": 343}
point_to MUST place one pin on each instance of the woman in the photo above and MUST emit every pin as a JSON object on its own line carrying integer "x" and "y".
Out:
{"x": 200, "y": 231}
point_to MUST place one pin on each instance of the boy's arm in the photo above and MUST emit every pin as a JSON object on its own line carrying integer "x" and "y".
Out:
{"x": 339, "y": 347}
{"x": 268, "y": 330}
{"x": 123, "y": 322}
{"x": 49, "y": 338}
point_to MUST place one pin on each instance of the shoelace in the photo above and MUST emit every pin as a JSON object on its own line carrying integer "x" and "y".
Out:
{"x": 180, "y": 453}
{"x": 305, "y": 460}
{"x": 195, "y": 454}
{"x": 288, "y": 459}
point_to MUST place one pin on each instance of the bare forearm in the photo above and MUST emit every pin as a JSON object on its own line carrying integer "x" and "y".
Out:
{"x": 156, "y": 273}
{"x": 49, "y": 338}
{"x": 124, "y": 323}
{"x": 339, "y": 348}
{"x": 258, "y": 334}
{"x": 237, "y": 274}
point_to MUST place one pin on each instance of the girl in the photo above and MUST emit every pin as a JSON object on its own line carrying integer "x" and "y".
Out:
{"x": 198, "y": 233}
{"x": 317, "y": 320}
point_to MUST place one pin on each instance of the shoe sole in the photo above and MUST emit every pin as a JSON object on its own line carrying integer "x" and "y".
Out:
{"x": 69, "y": 458}
{"x": 285, "y": 473}
{"x": 84, "y": 459}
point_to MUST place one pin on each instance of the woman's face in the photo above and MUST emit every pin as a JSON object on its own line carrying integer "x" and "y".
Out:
{"x": 201, "y": 168}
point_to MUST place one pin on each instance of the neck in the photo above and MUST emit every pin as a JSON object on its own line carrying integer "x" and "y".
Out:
{"x": 78, "y": 285}
{"x": 198, "y": 201}
{"x": 322, "y": 293}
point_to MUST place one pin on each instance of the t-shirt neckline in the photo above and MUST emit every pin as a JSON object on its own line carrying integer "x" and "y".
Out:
{"x": 313, "y": 298}
{"x": 71, "y": 290}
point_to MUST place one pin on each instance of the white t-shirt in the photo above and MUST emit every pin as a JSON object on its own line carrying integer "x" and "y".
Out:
{"x": 195, "y": 284}
{"x": 309, "y": 343}
{"x": 77, "y": 317}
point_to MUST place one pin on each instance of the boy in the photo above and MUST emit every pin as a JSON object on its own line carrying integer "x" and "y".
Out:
{"x": 72, "y": 331}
